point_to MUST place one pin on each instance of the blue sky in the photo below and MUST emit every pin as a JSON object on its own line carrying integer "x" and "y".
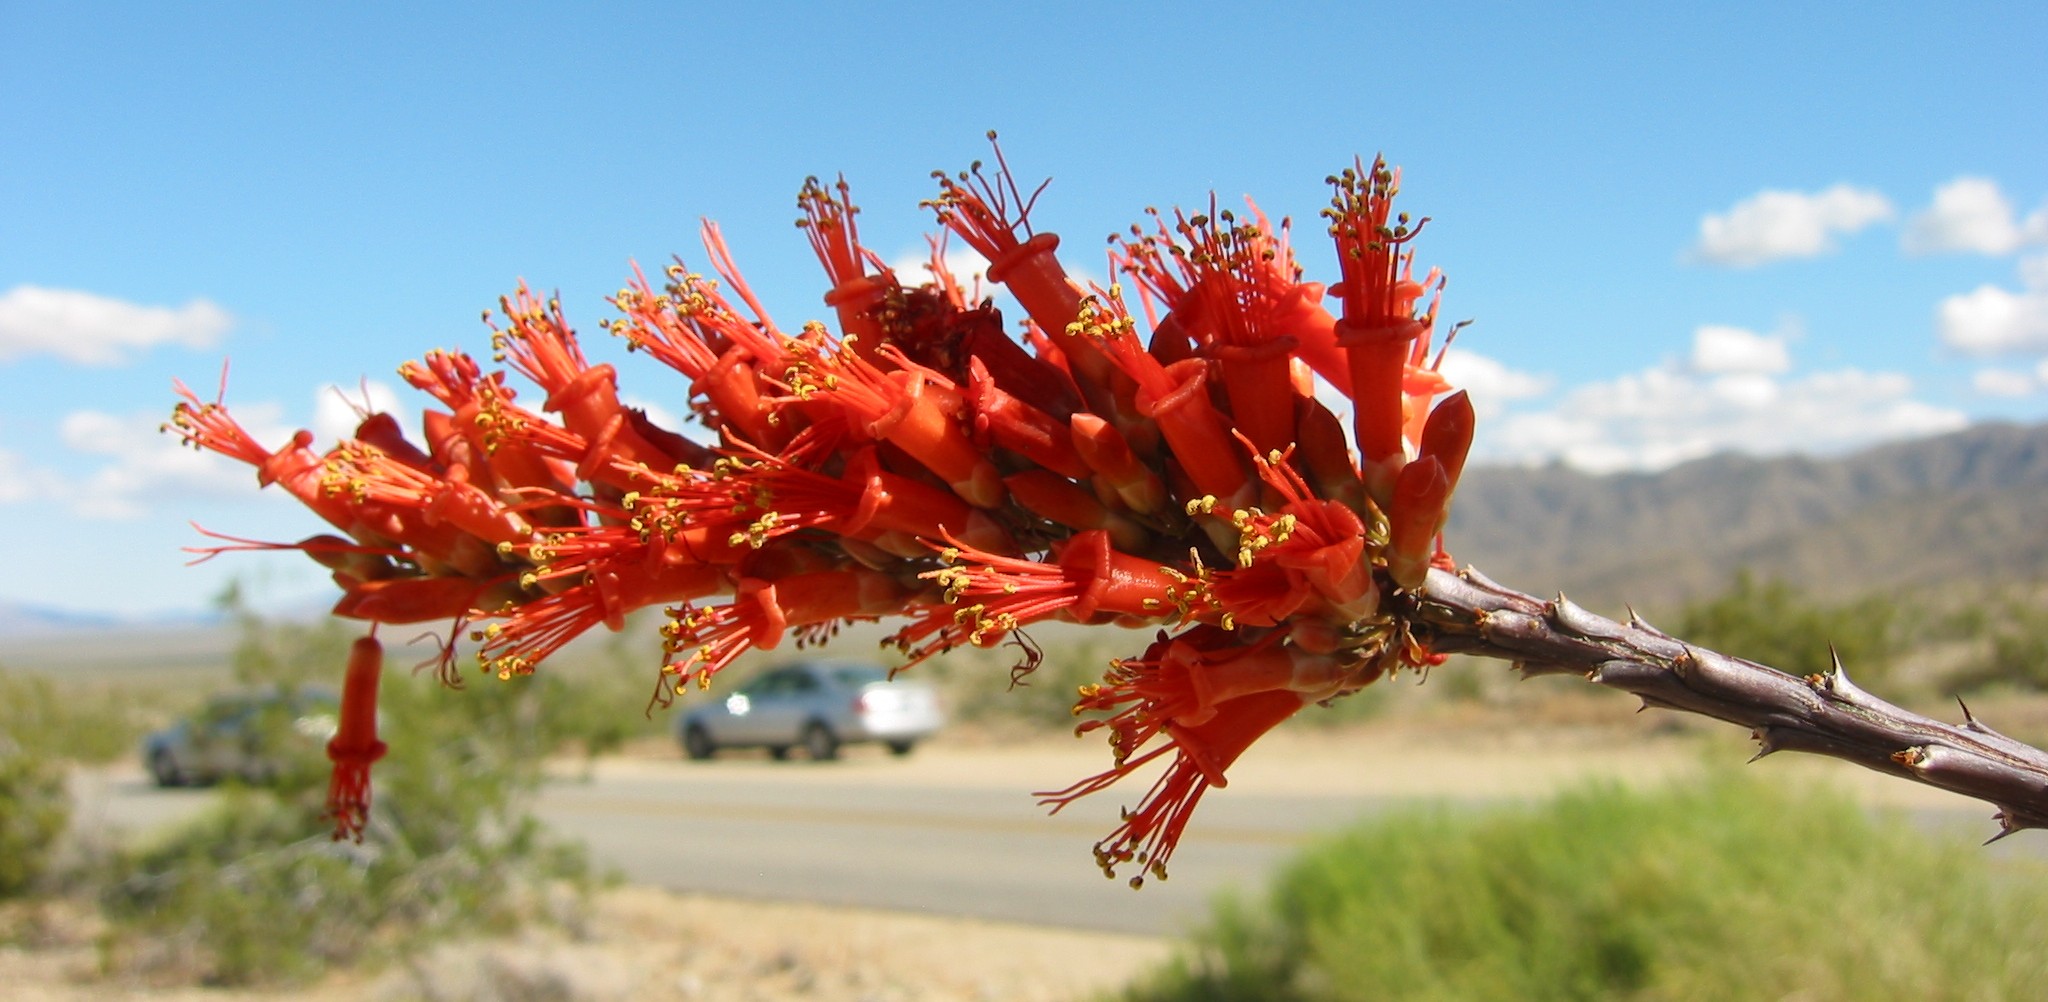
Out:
{"x": 1678, "y": 231}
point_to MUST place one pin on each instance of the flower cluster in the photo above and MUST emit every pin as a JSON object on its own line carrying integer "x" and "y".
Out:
{"x": 1186, "y": 473}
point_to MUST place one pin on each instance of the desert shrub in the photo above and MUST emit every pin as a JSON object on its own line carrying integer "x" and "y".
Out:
{"x": 2019, "y": 651}
{"x": 1777, "y": 624}
{"x": 255, "y": 890}
{"x": 70, "y": 723}
{"x": 1722, "y": 888}
{"x": 34, "y": 808}
{"x": 2011, "y": 635}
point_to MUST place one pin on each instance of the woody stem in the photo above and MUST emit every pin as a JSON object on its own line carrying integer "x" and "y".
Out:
{"x": 1465, "y": 613}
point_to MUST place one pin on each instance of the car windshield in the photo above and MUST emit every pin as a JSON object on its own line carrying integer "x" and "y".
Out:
{"x": 855, "y": 676}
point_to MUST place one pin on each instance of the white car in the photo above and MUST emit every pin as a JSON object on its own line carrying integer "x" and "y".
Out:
{"x": 817, "y": 706}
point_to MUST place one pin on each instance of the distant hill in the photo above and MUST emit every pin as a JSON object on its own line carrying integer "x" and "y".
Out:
{"x": 21, "y": 620}
{"x": 1930, "y": 511}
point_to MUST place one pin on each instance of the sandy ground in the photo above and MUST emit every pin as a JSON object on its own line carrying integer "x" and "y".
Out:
{"x": 640, "y": 943}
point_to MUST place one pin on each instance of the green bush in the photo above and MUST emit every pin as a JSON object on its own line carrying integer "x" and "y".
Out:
{"x": 2013, "y": 632}
{"x": 1716, "y": 889}
{"x": 256, "y": 891}
{"x": 34, "y": 808}
{"x": 1776, "y": 624}
{"x": 75, "y": 722}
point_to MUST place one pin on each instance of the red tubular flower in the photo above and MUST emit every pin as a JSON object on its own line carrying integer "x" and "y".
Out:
{"x": 989, "y": 214}
{"x": 539, "y": 628}
{"x": 354, "y": 747}
{"x": 487, "y": 431}
{"x": 992, "y": 595}
{"x": 1422, "y": 499}
{"x": 1054, "y": 497}
{"x": 883, "y": 501}
{"x": 1448, "y": 434}
{"x": 762, "y": 610}
{"x": 1117, "y": 469}
{"x": 1149, "y": 834}
{"x": 1326, "y": 455}
{"x": 1182, "y": 680}
{"x": 540, "y": 345}
{"x": 1236, "y": 295}
{"x": 855, "y": 295}
{"x": 692, "y": 328}
{"x": 296, "y": 467}
{"x": 418, "y": 599}
{"x": 912, "y": 408}
{"x": 368, "y": 475}
{"x": 1378, "y": 327}
{"x": 1014, "y": 424}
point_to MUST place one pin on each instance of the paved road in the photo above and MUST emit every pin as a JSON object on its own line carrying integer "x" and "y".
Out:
{"x": 989, "y": 853}
{"x": 947, "y": 832}
{"x": 870, "y": 831}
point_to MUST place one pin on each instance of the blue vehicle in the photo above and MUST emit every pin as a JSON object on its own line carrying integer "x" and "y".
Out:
{"x": 817, "y": 706}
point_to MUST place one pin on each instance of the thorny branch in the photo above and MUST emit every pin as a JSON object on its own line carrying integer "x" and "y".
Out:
{"x": 1826, "y": 714}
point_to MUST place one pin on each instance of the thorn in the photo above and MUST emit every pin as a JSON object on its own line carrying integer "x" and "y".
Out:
{"x": 1837, "y": 682}
{"x": 2006, "y": 825}
{"x": 1969, "y": 719}
{"x": 1646, "y": 703}
{"x": 1764, "y": 744}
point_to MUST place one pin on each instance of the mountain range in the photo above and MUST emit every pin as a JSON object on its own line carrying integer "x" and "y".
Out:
{"x": 1930, "y": 512}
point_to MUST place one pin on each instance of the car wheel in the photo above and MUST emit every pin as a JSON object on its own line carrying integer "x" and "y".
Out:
{"x": 697, "y": 744}
{"x": 164, "y": 769}
{"x": 901, "y": 748}
{"x": 778, "y": 752}
{"x": 820, "y": 743}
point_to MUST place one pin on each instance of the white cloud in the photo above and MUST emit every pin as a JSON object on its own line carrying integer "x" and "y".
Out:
{"x": 1492, "y": 386}
{"x": 2003, "y": 383}
{"x": 1717, "y": 349}
{"x": 1773, "y": 225}
{"x": 1971, "y": 215}
{"x": 94, "y": 330}
{"x": 1991, "y": 320}
{"x": 21, "y": 482}
{"x": 1670, "y": 414}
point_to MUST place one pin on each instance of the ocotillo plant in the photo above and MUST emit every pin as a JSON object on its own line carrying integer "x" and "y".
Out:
{"x": 1186, "y": 473}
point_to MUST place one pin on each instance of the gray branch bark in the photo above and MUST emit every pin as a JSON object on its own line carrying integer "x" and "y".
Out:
{"x": 1465, "y": 613}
